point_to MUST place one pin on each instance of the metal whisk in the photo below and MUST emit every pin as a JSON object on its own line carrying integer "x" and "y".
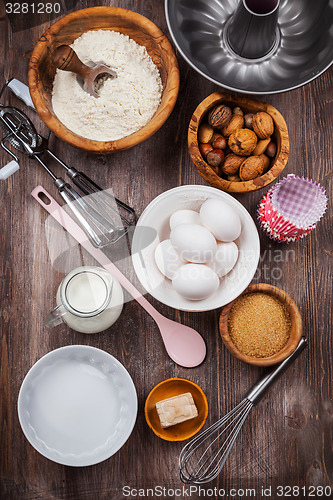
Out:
{"x": 201, "y": 460}
{"x": 105, "y": 219}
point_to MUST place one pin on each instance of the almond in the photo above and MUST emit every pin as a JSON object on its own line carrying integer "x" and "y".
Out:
{"x": 267, "y": 163}
{"x": 236, "y": 121}
{"x": 205, "y": 133}
{"x": 261, "y": 146}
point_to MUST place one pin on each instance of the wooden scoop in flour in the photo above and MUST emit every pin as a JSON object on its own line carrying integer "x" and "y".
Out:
{"x": 66, "y": 59}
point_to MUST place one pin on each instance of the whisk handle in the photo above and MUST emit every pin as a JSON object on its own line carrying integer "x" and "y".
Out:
{"x": 263, "y": 384}
{"x": 21, "y": 91}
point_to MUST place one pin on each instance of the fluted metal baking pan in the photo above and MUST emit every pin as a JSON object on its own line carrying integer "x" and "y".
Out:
{"x": 303, "y": 51}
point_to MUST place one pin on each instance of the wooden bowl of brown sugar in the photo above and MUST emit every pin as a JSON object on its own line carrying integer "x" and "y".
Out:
{"x": 262, "y": 327}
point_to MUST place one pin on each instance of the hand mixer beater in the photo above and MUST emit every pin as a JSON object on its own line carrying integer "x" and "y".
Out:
{"x": 105, "y": 219}
{"x": 202, "y": 459}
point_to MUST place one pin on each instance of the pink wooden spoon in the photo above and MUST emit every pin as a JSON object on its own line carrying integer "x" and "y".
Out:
{"x": 183, "y": 344}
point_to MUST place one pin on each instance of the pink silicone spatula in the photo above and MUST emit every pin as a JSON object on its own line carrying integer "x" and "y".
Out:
{"x": 183, "y": 344}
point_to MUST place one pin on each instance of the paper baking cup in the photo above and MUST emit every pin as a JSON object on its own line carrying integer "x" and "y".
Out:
{"x": 291, "y": 209}
{"x": 268, "y": 226}
{"x": 300, "y": 200}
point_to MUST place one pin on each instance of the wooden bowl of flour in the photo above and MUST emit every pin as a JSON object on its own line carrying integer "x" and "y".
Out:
{"x": 69, "y": 28}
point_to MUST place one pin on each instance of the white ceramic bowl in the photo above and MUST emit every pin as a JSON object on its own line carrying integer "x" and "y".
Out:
{"x": 77, "y": 405}
{"x": 157, "y": 215}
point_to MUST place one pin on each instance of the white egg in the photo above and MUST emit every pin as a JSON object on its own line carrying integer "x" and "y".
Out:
{"x": 167, "y": 259}
{"x": 194, "y": 243}
{"x": 195, "y": 281}
{"x": 220, "y": 219}
{"x": 184, "y": 217}
{"x": 224, "y": 259}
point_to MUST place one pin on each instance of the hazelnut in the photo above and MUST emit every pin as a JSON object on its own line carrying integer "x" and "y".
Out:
{"x": 271, "y": 149}
{"x": 232, "y": 163}
{"x": 261, "y": 146}
{"x": 205, "y": 133}
{"x": 233, "y": 178}
{"x": 248, "y": 120}
{"x": 205, "y": 149}
{"x": 236, "y": 122}
{"x": 242, "y": 142}
{"x": 219, "y": 143}
{"x": 237, "y": 111}
{"x": 216, "y": 135}
{"x": 267, "y": 163}
{"x": 263, "y": 125}
{"x": 251, "y": 168}
{"x": 215, "y": 158}
{"x": 219, "y": 116}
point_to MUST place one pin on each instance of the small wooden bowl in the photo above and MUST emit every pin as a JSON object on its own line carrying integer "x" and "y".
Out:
{"x": 167, "y": 389}
{"x": 248, "y": 106}
{"x": 295, "y": 334}
{"x": 65, "y": 31}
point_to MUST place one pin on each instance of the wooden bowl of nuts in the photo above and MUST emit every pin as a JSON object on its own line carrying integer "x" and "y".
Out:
{"x": 262, "y": 327}
{"x": 238, "y": 144}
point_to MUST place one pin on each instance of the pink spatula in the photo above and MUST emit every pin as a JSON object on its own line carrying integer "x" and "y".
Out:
{"x": 183, "y": 344}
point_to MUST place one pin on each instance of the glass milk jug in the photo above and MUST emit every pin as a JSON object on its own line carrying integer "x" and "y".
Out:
{"x": 89, "y": 300}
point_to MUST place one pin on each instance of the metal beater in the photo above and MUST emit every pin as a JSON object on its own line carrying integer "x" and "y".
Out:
{"x": 97, "y": 211}
{"x": 202, "y": 459}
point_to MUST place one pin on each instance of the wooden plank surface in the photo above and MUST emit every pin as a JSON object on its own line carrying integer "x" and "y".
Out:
{"x": 287, "y": 439}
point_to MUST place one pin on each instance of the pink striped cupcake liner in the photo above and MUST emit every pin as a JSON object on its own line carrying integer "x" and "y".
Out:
{"x": 292, "y": 208}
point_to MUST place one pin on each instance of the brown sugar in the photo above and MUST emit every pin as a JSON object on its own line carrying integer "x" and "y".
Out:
{"x": 259, "y": 324}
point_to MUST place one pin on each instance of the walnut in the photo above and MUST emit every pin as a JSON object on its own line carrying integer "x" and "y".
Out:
{"x": 232, "y": 163}
{"x": 251, "y": 168}
{"x": 219, "y": 116}
{"x": 263, "y": 125}
{"x": 242, "y": 142}
{"x": 236, "y": 121}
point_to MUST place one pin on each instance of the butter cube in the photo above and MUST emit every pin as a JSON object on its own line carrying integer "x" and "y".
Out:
{"x": 177, "y": 409}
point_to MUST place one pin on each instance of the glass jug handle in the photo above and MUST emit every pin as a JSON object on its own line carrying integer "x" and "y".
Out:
{"x": 54, "y": 317}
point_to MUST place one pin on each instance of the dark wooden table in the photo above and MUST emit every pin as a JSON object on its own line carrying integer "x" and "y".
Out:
{"x": 287, "y": 439}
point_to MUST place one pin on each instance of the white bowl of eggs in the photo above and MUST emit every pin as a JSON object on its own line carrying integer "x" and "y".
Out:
{"x": 205, "y": 253}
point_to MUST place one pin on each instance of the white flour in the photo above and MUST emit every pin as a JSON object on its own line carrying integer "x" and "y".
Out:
{"x": 126, "y": 103}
